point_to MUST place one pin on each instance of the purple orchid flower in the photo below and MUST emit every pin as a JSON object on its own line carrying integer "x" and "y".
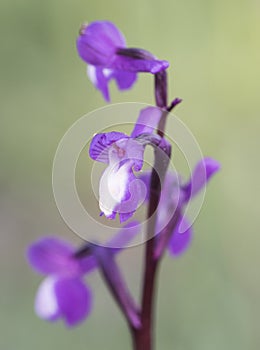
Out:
{"x": 174, "y": 197}
{"x": 103, "y": 47}
{"x": 120, "y": 191}
{"x": 63, "y": 294}
{"x": 202, "y": 173}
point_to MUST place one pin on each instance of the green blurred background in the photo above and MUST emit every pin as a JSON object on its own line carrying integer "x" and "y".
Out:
{"x": 209, "y": 298}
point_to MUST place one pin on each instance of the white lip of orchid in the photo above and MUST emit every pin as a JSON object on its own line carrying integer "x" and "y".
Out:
{"x": 91, "y": 72}
{"x": 114, "y": 181}
{"x": 113, "y": 187}
{"x": 46, "y": 305}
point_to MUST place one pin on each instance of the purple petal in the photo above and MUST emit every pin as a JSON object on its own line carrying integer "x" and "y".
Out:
{"x": 87, "y": 264}
{"x": 135, "y": 65}
{"x": 98, "y": 149}
{"x": 180, "y": 242}
{"x": 98, "y": 41}
{"x": 63, "y": 298}
{"x": 102, "y": 44}
{"x": 125, "y": 216}
{"x": 100, "y": 78}
{"x": 124, "y": 80}
{"x": 74, "y": 300}
{"x": 51, "y": 255}
{"x": 202, "y": 173}
{"x": 131, "y": 151}
{"x": 147, "y": 121}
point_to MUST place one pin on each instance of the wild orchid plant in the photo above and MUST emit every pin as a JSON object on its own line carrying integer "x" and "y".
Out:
{"x": 63, "y": 294}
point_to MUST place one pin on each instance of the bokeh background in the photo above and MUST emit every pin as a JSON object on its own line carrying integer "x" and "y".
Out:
{"x": 209, "y": 298}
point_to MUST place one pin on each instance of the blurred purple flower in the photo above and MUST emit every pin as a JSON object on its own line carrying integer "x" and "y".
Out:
{"x": 63, "y": 294}
{"x": 175, "y": 196}
{"x": 201, "y": 174}
{"x": 103, "y": 47}
{"x": 120, "y": 191}
{"x": 182, "y": 235}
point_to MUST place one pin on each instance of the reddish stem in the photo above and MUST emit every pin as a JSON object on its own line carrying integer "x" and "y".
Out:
{"x": 143, "y": 337}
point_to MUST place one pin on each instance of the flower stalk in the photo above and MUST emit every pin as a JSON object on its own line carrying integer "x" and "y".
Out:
{"x": 144, "y": 337}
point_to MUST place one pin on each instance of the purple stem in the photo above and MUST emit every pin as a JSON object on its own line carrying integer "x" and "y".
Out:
{"x": 143, "y": 338}
{"x": 160, "y": 89}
